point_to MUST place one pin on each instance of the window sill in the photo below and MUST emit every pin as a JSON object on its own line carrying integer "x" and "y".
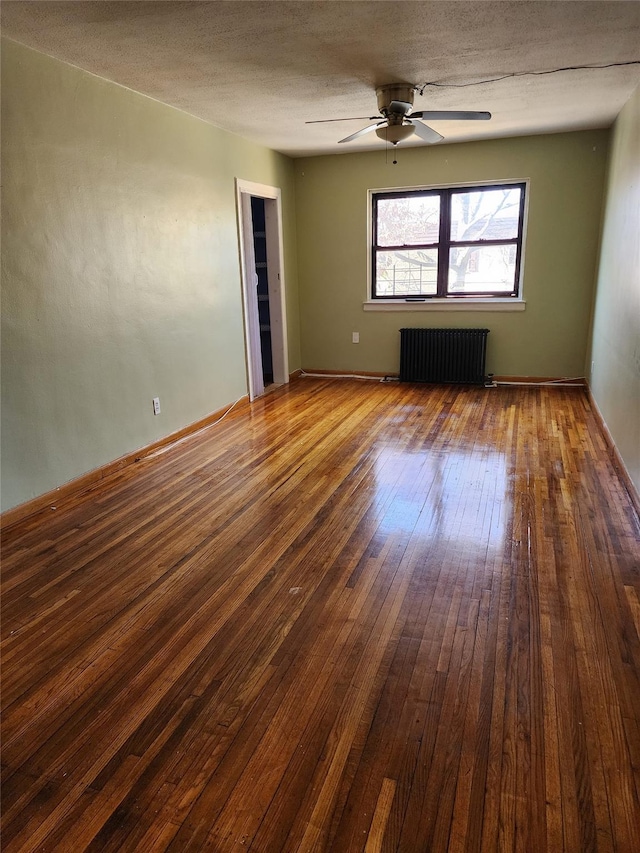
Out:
{"x": 493, "y": 304}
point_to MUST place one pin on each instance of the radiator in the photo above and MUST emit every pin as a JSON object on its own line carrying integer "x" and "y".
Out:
{"x": 443, "y": 355}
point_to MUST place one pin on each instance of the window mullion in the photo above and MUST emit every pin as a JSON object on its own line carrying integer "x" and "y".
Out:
{"x": 443, "y": 249}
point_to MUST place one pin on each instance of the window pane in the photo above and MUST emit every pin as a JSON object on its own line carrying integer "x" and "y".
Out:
{"x": 485, "y": 214}
{"x": 407, "y": 273}
{"x": 482, "y": 269}
{"x": 408, "y": 221}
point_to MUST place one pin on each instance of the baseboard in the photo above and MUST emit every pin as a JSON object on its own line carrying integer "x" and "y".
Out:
{"x": 296, "y": 374}
{"x": 308, "y": 371}
{"x": 74, "y": 488}
{"x": 541, "y": 380}
{"x": 614, "y": 454}
{"x": 519, "y": 380}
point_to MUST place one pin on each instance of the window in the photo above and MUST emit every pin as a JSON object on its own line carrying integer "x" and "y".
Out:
{"x": 447, "y": 243}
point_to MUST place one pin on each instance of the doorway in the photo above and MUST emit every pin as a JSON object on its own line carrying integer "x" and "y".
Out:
{"x": 261, "y": 252}
{"x": 262, "y": 273}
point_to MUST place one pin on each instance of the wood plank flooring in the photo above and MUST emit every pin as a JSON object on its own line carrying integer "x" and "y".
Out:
{"x": 355, "y": 616}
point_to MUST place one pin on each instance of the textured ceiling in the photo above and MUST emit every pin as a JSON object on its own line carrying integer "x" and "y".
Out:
{"x": 262, "y": 69}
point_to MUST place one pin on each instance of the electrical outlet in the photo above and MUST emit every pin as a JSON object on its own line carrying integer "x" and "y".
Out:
{"x": 355, "y": 337}
{"x": 156, "y": 405}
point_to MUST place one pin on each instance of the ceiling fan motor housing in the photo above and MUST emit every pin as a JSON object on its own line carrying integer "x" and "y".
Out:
{"x": 395, "y": 99}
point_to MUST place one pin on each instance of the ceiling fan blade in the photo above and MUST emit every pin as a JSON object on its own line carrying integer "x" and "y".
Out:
{"x": 425, "y": 132}
{"x": 451, "y": 115}
{"x": 351, "y": 118}
{"x": 361, "y": 132}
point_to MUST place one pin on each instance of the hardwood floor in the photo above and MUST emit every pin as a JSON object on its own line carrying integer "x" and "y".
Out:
{"x": 354, "y": 616}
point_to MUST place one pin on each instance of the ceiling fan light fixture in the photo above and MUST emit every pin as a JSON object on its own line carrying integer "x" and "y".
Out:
{"x": 394, "y": 133}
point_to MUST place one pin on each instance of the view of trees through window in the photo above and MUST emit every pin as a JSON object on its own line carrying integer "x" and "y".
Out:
{"x": 447, "y": 242}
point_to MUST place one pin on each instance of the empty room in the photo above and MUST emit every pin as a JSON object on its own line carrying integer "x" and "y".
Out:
{"x": 320, "y": 426}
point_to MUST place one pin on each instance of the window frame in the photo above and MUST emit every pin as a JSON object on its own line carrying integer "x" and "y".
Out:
{"x": 445, "y": 244}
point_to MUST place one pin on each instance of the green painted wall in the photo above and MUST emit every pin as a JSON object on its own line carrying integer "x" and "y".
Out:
{"x": 615, "y": 350}
{"x": 120, "y": 269}
{"x": 549, "y": 338}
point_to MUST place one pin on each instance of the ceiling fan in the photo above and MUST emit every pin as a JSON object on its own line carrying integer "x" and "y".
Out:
{"x": 397, "y": 121}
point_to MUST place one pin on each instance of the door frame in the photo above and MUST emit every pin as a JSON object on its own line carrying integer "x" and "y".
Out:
{"x": 245, "y": 190}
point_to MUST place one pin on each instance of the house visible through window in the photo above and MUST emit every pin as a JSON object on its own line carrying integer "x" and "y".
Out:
{"x": 447, "y": 243}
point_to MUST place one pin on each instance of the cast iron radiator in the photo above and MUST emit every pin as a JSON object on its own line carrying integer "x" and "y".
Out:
{"x": 443, "y": 355}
